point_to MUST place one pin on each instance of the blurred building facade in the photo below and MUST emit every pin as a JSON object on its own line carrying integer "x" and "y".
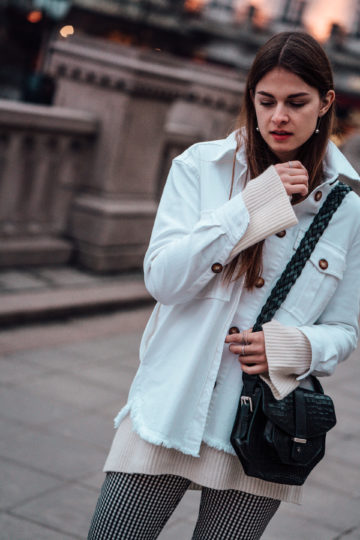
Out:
{"x": 227, "y": 32}
{"x": 84, "y": 157}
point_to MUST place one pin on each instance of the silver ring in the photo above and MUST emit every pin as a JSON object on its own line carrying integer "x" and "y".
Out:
{"x": 290, "y": 164}
{"x": 243, "y": 350}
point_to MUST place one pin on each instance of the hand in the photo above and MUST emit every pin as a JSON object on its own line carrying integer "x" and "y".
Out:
{"x": 250, "y": 347}
{"x": 294, "y": 178}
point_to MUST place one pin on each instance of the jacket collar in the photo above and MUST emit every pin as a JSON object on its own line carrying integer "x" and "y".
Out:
{"x": 226, "y": 146}
{"x": 337, "y": 166}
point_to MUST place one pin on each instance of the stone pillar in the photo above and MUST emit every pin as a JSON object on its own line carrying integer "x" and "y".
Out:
{"x": 150, "y": 108}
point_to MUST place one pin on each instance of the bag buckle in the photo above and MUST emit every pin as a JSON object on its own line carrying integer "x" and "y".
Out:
{"x": 246, "y": 400}
{"x": 298, "y": 440}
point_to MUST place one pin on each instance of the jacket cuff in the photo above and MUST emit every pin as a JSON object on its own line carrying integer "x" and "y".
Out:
{"x": 269, "y": 209}
{"x": 288, "y": 354}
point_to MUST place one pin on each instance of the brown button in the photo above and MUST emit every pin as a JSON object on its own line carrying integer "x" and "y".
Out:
{"x": 217, "y": 268}
{"x": 281, "y": 234}
{"x": 318, "y": 195}
{"x": 234, "y": 330}
{"x": 323, "y": 264}
{"x": 259, "y": 282}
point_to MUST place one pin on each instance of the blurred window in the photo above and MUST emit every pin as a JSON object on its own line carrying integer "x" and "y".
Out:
{"x": 356, "y": 27}
{"x": 293, "y": 11}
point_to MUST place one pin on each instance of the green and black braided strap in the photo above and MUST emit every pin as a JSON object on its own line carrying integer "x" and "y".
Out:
{"x": 298, "y": 260}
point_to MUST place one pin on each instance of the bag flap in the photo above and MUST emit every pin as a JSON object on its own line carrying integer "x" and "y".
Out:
{"x": 319, "y": 413}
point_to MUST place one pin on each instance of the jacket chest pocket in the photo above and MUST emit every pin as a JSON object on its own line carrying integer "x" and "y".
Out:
{"x": 217, "y": 289}
{"x": 316, "y": 284}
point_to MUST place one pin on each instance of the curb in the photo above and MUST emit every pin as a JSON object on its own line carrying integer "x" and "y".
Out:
{"x": 23, "y": 308}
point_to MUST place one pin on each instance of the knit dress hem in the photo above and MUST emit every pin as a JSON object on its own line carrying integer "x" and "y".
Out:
{"x": 214, "y": 469}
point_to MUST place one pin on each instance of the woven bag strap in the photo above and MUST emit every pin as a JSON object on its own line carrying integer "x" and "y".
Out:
{"x": 298, "y": 260}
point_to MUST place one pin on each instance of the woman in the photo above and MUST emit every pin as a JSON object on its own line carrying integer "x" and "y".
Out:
{"x": 231, "y": 215}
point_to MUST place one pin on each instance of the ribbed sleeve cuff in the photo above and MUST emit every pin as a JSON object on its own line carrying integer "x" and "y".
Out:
{"x": 288, "y": 354}
{"x": 269, "y": 209}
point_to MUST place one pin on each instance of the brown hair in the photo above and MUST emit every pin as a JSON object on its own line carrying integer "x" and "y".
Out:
{"x": 301, "y": 54}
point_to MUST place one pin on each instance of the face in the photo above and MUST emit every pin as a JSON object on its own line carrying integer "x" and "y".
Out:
{"x": 287, "y": 111}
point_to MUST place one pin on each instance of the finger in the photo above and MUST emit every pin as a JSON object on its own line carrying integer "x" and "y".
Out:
{"x": 256, "y": 359}
{"x": 238, "y": 338}
{"x": 296, "y": 174}
{"x": 247, "y": 336}
{"x": 296, "y": 164}
{"x": 233, "y": 338}
{"x": 297, "y": 188}
{"x": 294, "y": 180}
{"x": 247, "y": 350}
{"x": 256, "y": 369}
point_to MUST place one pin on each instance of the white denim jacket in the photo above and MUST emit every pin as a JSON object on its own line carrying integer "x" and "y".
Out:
{"x": 197, "y": 231}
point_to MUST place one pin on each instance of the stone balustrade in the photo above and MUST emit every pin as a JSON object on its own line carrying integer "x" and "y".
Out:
{"x": 45, "y": 158}
{"x": 81, "y": 180}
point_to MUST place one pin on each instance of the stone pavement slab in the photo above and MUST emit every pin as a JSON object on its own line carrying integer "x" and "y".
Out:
{"x": 340, "y": 470}
{"x": 24, "y": 407}
{"x": 19, "y": 483}
{"x": 70, "y": 335}
{"x": 15, "y": 528}
{"x": 66, "y": 509}
{"x": 183, "y": 520}
{"x": 353, "y": 534}
{"x": 89, "y": 428}
{"x": 16, "y": 372}
{"x": 73, "y": 389}
{"x": 343, "y": 514}
{"x": 286, "y": 526}
{"x": 93, "y": 481}
{"x": 47, "y": 452}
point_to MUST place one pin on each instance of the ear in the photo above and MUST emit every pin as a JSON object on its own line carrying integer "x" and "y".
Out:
{"x": 326, "y": 102}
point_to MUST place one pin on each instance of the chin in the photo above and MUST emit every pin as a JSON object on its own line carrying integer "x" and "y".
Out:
{"x": 287, "y": 153}
{"x": 284, "y": 149}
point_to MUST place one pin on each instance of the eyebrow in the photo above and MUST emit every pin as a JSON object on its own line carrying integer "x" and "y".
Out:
{"x": 299, "y": 94}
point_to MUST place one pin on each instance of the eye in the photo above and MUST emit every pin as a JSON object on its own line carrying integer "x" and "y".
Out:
{"x": 266, "y": 103}
{"x": 297, "y": 104}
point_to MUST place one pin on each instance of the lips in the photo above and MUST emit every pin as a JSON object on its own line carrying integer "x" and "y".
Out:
{"x": 280, "y": 135}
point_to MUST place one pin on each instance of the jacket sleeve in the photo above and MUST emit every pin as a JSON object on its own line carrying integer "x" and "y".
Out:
{"x": 186, "y": 241}
{"x": 334, "y": 337}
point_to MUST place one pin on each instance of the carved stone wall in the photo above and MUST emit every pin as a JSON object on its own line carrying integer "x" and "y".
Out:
{"x": 151, "y": 107}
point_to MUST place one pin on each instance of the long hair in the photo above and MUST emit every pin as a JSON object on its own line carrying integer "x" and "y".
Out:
{"x": 302, "y": 55}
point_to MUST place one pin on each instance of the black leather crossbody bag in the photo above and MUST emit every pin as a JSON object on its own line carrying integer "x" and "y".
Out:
{"x": 282, "y": 440}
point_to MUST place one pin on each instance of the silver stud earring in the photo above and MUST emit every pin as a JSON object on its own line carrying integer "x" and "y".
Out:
{"x": 317, "y": 130}
{"x": 257, "y": 128}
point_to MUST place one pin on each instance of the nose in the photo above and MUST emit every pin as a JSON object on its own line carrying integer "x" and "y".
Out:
{"x": 280, "y": 115}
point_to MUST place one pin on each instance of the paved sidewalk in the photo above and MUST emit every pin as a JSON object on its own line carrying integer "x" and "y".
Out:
{"x": 62, "y": 383}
